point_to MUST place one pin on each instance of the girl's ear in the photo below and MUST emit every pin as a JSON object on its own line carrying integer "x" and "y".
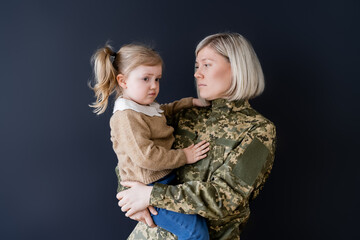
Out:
{"x": 120, "y": 78}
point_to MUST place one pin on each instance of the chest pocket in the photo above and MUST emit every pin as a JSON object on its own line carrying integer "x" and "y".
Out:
{"x": 220, "y": 152}
{"x": 184, "y": 138}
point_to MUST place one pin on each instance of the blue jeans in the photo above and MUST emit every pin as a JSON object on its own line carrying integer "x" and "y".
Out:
{"x": 184, "y": 226}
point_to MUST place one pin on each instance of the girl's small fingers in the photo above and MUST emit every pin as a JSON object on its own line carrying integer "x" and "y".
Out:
{"x": 201, "y": 157}
{"x": 202, "y": 152}
{"x": 205, "y": 146}
{"x": 200, "y": 143}
{"x": 205, "y": 150}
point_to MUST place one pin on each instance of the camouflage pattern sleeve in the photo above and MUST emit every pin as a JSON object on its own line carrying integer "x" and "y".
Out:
{"x": 143, "y": 232}
{"x": 120, "y": 187}
{"x": 230, "y": 186}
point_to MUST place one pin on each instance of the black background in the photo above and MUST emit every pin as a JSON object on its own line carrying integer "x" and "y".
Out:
{"x": 57, "y": 164}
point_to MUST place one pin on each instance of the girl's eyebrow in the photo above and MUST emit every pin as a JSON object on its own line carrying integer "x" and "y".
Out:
{"x": 149, "y": 73}
{"x": 152, "y": 74}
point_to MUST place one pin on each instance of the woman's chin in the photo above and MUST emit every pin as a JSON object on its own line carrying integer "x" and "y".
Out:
{"x": 204, "y": 96}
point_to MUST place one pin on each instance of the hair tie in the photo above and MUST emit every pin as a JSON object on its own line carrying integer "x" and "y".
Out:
{"x": 113, "y": 56}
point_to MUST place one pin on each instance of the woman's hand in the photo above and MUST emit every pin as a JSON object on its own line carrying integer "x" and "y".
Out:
{"x": 134, "y": 199}
{"x": 145, "y": 217}
{"x": 200, "y": 103}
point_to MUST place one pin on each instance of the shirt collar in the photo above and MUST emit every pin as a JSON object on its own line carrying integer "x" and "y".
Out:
{"x": 226, "y": 105}
{"x": 151, "y": 110}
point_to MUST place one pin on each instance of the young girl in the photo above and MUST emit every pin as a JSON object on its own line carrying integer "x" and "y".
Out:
{"x": 141, "y": 138}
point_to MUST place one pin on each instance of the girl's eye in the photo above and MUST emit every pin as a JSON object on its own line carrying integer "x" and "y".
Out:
{"x": 207, "y": 65}
{"x": 145, "y": 78}
{"x": 157, "y": 79}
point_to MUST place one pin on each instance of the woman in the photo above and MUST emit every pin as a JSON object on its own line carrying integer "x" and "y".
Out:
{"x": 242, "y": 146}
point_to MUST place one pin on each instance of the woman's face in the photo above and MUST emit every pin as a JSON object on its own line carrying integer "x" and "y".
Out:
{"x": 213, "y": 74}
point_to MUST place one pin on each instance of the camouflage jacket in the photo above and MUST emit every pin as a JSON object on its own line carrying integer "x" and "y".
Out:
{"x": 219, "y": 187}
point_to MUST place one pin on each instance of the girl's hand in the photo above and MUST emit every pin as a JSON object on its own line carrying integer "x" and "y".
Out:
{"x": 134, "y": 199}
{"x": 200, "y": 103}
{"x": 196, "y": 152}
{"x": 145, "y": 217}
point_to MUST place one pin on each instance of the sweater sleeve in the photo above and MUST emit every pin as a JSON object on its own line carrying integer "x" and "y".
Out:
{"x": 171, "y": 109}
{"x": 133, "y": 135}
{"x": 244, "y": 171}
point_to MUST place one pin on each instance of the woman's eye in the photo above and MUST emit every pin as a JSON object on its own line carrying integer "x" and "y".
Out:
{"x": 207, "y": 65}
{"x": 145, "y": 78}
{"x": 196, "y": 67}
{"x": 157, "y": 79}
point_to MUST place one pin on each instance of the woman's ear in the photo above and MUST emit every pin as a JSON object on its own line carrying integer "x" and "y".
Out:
{"x": 120, "y": 78}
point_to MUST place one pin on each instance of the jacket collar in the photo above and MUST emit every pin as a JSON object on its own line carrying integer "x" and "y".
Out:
{"x": 226, "y": 105}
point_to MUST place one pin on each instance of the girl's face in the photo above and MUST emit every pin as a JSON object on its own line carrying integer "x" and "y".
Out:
{"x": 141, "y": 85}
{"x": 213, "y": 74}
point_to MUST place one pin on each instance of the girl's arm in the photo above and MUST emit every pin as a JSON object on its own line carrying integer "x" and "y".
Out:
{"x": 171, "y": 109}
{"x": 133, "y": 134}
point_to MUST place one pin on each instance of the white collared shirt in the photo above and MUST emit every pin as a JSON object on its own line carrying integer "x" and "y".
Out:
{"x": 151, "y": 110}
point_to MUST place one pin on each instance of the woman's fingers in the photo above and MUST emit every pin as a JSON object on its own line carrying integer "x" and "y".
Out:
{"x": 125, "y": 208}
{"x": 149, "y": 221}
{"x": 119, "y": 195}
{"x": 152, "y": 210}
{"x": 122, "y": 202}
{"x": 143, "y": 216}
{"x": 130, "y": 212}
{"x": 128, "y": 183}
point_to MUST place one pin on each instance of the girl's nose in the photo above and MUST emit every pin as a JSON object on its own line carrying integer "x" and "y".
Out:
{"x": 153, "y": 84}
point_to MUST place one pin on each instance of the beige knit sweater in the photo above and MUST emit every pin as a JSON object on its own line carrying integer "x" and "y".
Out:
{"x": 143, "y": 143}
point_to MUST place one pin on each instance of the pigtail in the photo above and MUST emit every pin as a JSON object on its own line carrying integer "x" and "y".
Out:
{"x": 105, "y": 83}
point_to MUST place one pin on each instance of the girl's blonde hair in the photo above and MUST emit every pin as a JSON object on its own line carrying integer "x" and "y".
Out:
{"x": 247, "y": 75}
{"x": 108, "y": 64}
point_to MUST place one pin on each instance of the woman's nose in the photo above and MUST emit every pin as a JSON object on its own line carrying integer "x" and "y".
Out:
{"x": 197, "y": 74}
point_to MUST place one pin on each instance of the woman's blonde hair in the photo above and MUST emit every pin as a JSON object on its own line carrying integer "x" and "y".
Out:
{"x": 247, "y": 75}
{"x": 108, "y": 64}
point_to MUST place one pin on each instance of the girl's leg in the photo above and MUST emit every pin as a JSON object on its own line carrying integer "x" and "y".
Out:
{"x": 184, "y": 226}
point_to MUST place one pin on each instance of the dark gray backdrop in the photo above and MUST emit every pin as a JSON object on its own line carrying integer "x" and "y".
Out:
{"x": 57, "y": 164}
